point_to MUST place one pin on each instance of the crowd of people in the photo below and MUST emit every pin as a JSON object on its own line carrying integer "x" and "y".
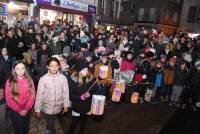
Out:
{"x": 58, "y": 66}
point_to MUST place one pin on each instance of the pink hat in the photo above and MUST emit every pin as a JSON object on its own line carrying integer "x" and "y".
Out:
{"x": 101, "y": 49}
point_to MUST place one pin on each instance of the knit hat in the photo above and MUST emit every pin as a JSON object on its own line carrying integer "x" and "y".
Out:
{"x": 101, "y": 49}
{"x": 27, "y": 56}
{"x": 197, "y": 63}
{"x": 80, "y": 65}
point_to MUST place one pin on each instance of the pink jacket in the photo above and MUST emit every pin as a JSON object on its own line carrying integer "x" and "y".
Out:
{"x": 126, "y": 65}
{"x": 25, "y": 101}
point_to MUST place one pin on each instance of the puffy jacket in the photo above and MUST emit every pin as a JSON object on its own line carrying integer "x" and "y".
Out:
{"x": 52, "y": 94}
{"x": 25, "y": 99}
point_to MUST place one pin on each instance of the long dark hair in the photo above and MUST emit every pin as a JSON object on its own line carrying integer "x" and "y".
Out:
{"x": 14, "y": 81}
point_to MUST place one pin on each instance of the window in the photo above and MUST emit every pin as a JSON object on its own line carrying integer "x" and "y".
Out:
{"x": 192, "y": 14}
{"x": 141, "y": 14}
{"x": 166, "y": 15}
{"x": 132, "y": 6}
{"x": 122, "y": 9}
{"x": 152, "y": 14}
{"x": 198, "y": 15}
{"x": 175, "y": 17}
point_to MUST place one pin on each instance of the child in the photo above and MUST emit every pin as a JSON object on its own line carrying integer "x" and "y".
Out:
{"x": 157, "y": 79}
{"x": 52, "y": 95}
{"x": 168, "y": 77}
{"x": 103, "y": 83}
{"x": 20, "y": 96}
{"x": 80, "y": 82}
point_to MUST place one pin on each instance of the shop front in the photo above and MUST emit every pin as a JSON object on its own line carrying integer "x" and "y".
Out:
{"x": 70, "y": 10}
{"x": 9, "y": 11}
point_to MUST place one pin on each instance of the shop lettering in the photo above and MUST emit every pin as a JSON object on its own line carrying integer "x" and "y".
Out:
{"x": 74, "y": 5}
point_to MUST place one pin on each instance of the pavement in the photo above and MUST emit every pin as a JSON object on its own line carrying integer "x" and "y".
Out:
{"x": 120, "y": 118}
{"x": 185, "y": 121}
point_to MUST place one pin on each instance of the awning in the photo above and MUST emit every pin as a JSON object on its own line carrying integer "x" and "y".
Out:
{"x": 26, "y": 1}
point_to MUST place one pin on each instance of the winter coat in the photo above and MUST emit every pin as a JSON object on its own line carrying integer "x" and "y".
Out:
{"x": 11, "y": 45}
{"x": 193, "y": 79}
{"x": 127, "y": 65}
{"x": 97, "y": 72}
{"x": 25, "y": 100}
{"x": 180, "y": 76}
{"x": 157, "y": 77}
{"x": 76, "y": 90}
{"x": 5, "y": 70}
{"x": 52, "y": 94}
{"x": 168, "y": 74}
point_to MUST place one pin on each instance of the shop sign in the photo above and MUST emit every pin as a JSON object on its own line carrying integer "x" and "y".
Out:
{"x": 91, "y": 9}
{"x": 48, "y": 2}
{"x": 90, "y": 2}
{"x": 3, "y": 10}
{"x": 70, "y": 5}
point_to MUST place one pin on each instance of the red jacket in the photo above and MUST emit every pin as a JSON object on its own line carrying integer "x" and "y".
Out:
{"x": 25, "y": 100}
{"x": 127, "y": 65}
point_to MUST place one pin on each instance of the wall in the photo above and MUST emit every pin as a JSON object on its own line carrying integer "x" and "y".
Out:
{"x": 191, "y": 27}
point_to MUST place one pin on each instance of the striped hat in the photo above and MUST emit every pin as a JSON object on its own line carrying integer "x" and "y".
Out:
{"x": 197, "y": 63}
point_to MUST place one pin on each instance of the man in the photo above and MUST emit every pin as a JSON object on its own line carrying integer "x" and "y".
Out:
{"x": 11, "y": 44}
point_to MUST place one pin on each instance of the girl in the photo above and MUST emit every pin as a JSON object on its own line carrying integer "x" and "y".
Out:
{"x": 20, "y": 96}
{"x": 81, "y": 80}
{"x": 53, "y": 94}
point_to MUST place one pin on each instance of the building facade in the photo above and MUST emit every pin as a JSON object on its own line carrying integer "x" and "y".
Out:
{"x": 108, "y": 11}
{"x": 76, "y": 11}
{"x": 11, "y": 9}
{"x": 158, "y": 14}
{"x": 190, "y": 18}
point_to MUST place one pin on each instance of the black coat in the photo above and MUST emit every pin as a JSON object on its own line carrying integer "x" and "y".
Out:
{"x": 193, "y": 80}
{"x": 75, "y": 92}
{"x": 5, "y": 70}
{"x": 11, "y": 44}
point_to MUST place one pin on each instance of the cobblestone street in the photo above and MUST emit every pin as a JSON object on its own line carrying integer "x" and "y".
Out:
{"x": 118, "y": 119}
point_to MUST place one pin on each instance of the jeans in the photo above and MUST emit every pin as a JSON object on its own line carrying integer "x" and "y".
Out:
{"x": 20, "y": 123}
{"x": 167, "y": 89}
{"x": 176, "y": 92}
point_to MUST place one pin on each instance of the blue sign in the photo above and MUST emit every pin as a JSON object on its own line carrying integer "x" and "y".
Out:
{"x": 3, "y": 10}
{"x": 92, "y": 9}
{"x": 48, "y": 2}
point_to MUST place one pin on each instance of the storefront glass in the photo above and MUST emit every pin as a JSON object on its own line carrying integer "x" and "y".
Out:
{"x": 51, "y": 15}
